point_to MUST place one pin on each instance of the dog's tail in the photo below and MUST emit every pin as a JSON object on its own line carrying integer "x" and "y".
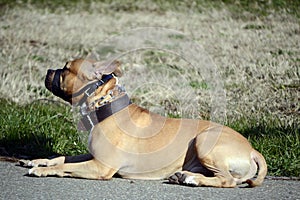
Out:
{"x": 262, "y": 169}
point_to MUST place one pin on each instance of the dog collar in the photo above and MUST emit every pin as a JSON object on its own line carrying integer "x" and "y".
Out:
{"x": 89, "y": 120}
{"x": 91, "y": 88}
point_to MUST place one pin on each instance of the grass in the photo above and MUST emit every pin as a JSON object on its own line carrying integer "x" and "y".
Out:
{"x": 254, "y": 46}
{"x": 237, "y": 8}
{"x": 45, "y": 129}
{"x": 38, "y": 130}
{"x": 278, "y": 142}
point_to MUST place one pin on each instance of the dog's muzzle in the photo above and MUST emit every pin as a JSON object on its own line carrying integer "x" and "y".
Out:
{"x": 54, "y": 85}
{"x": 48, "y": 79}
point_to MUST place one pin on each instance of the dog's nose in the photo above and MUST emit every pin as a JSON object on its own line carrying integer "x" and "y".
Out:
{"x": 50, "y": 71}
{"x": 49, "y": 79}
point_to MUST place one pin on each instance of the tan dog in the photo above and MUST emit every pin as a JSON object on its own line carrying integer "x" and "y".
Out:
{"x": 134, "y": 143}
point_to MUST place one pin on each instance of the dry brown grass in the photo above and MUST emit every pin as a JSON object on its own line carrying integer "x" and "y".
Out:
{"x": 253, "y": 60}
{"x": 257, "y": 59}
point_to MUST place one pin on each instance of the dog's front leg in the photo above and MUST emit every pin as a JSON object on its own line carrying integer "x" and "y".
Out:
{"x": 91, "y": 169}
{"x": 43, "y": 162}
{"x": 55, "y": 161}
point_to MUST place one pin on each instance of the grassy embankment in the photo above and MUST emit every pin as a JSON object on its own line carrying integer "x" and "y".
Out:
{"x": 43, "y": 128}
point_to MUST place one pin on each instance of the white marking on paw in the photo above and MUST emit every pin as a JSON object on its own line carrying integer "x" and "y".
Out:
{"x": 30, "y": 164}
{"x": 190, "y": 180}
{"x": 30, "y": 171}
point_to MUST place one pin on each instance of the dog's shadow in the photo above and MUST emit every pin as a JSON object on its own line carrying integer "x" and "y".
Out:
{"x": 15, "y": 150}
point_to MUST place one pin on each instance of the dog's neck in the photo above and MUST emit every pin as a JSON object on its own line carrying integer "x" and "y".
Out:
{"x": 97, "y": 100}
{"x": 102, "y": 107}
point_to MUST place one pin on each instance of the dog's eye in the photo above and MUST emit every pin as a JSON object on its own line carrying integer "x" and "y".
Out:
{"x": 63, "y": 75}
{"x": 67, "y": 66}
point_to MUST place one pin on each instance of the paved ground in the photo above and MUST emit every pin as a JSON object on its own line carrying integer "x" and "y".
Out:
{"x": 16, "y": 185}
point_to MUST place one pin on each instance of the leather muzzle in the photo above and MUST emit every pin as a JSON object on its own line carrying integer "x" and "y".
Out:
{"x": 55, "y": 85}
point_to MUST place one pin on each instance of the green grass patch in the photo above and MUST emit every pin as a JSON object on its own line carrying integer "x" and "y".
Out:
{"x": 38, "y": 130}
{"x": 277, "y": 141}
{"x": 44, "y": 129}
{"x": 199, "y": 85}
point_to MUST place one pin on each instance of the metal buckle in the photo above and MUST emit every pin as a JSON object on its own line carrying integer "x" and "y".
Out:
{"x": 83, "y": 109}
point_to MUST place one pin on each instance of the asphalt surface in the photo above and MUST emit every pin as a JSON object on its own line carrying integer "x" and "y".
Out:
{"x": 15, "y": 184}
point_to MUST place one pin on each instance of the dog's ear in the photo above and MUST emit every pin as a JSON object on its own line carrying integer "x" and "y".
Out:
{"x": 87, "y": 70}
{"x": 105, "y": 68}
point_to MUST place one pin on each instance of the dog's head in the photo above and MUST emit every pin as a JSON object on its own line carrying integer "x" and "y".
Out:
{"x": 70, "y": 82}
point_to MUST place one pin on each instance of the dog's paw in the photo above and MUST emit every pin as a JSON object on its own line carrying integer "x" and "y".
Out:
{"x": 24, "y": 163}
{"x": 177, "y": 178}
{"x": 37, "y": 171}
{"x": 190, "y": 180}
{"x": 182, "y": 178}
{"x": 34, "y": 163}
{"x": 48, "y": 171}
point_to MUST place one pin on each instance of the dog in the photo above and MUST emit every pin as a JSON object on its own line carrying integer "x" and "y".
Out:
{"x": 134, "y": 143}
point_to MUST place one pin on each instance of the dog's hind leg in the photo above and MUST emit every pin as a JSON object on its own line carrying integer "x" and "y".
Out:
{"x": 196, "y": 179}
